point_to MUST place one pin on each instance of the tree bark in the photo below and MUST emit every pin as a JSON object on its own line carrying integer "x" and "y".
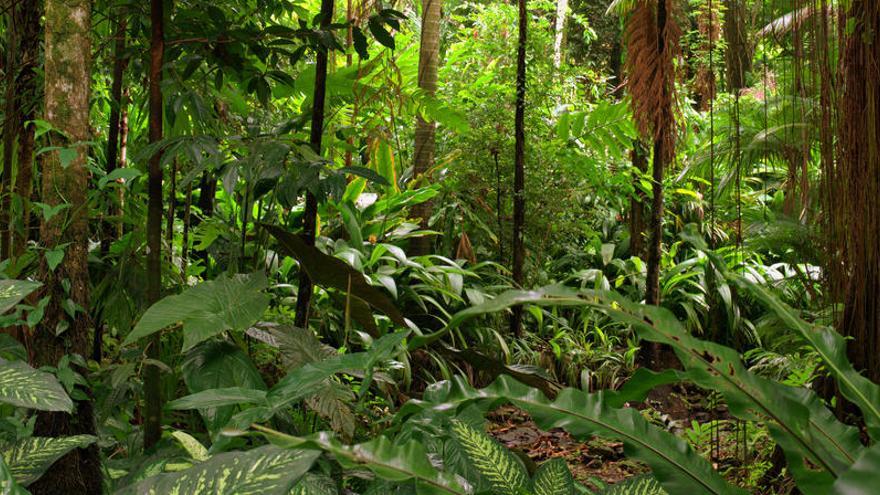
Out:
{"x": 310, "y": 215}
{"x": 561, "y": 13}
{"x": 739, "y": 53}
{"x": 152, "y": 391}
{"x": 11, "y": 124}
{"x": 519, "y": 173}
{"x": 637, "y": 204}
{"x": 423, "y": 161}
{"x": 67, "y": 80}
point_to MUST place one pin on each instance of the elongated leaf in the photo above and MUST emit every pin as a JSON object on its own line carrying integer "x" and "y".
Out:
{"x": 262, "y": 471}
{"x": 193, "y": 447}
{"x": 553, "y": 478}
{"x": 23, "y": 386}
{"x": 385, "y": 458}
{"x": 8, "y": 485}
{"x": 673, "y": 462}
{"x": 28, "y": 458}
{"x": 13, "y": 291}
{"x": 226, "y": 303}
{"x": 831, "y": 347}
{"x": 218, "y": 397}
{"x": 331, "y": 272}
{"x": 861, "y": 478}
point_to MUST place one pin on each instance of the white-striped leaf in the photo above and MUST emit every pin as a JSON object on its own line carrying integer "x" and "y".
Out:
{"x": 28, "y": 458}
{"x": 23, "y": 386}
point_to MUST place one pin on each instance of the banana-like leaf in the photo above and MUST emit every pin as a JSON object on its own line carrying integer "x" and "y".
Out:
{"x": 315, "y": 484}
{"x": 388, "y": 460}
{"x": 23, "y": 386}
{"x": 264, "y": 470}
{"x": 831, "y": 347}
{"x": 861, "y": 478}
{"x": 225, "y": 303}
{"x": 504, "y": 471}
{"x": 553, "y": 478}
{"x": 13, "y": 291}
{"x": 28, "y": 458}
{"x": 8, "y": 485}
{"x": 328, "y": 271}
{"x": 673, "y": 462}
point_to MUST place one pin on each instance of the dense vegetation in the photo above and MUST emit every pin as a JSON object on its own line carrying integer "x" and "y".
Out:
{"x": 319, "y": 247}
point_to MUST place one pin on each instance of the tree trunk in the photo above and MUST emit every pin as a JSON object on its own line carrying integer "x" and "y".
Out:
{"x": 11, "y": 124}
{"x": 152, "y": 391}
{"x": 67, "y": 78}
{"x": 739, "y": 53}
{"x": 27, "y": 18}
{"x": 310, "y": 215}
{"x": 119, "y": 64}
{"x": 561, "y": 13}
{"x": 637, "y": 203}
{"x": 423, "y": 161}
{"x": 858, "y": 187}
{"x": 519, "y": 173}
{"x": 652, "y": 283}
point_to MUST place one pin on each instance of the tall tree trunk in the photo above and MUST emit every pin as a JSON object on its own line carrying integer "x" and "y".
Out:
{"x": 637, "y": 203}
{"x": 152, "y": 391}
{"x": 67, "y": 76}
{"x": 27, "y": 18}
{"x": 310, "y": 215}
{"x": 120, "y": 61}
{"x": 519, "y": 172}
{"x": 561, "y": 13}
{"x": 739, "y": 53}
{"x": 709, "y": 32}
{"x": 423, "y": 161}
{"x": 11, "y": 125}
{"x": 858, "y": 187}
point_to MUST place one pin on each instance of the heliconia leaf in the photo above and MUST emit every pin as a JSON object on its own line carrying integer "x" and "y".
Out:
{"x": 331, "y": 272}
{"x": 387, "y": 459}
{"x": 553, "y": 478}
{"x": 27, "y": 459}
{"x": 13, "y": 291}
{"x": 831, "y": 347}
{"x": 673, "y": 462}
{"x": 225, "y": 303}
{"x": 8, "y": 485}
{"x": 264, "y": 470}
{"x": 23, "y": 386}
{"x": 861, "y": 477}
{"x": 504, "y": 471}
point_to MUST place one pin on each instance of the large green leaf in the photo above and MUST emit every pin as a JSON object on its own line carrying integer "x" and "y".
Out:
{"x": 23, "y": 386}
{"x": 387, "y": 459}
{"x": 673, "y": 462}
{"x": 553, "y": 478}
{"x": 862, "y": 477}
{"x": 262, "y": 471}
{"x": 331, "y": 272}
{"x": 831, "y": 347}
{"x": 8, "y": 485}
{"x": 226, "y": 303}
{"x": 218, "y": 397}
{"x": 28, "y": 458}
{"x": 13, "y": 291}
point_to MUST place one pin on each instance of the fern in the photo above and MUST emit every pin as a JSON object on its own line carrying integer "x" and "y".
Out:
{"x": 553, "y": 478}
{"x": 504, "y": 471}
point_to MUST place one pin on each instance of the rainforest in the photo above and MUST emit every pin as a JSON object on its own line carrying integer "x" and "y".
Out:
{"x": 439, "y": 247}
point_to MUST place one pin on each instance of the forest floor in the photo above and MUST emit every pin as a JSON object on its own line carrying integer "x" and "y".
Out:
{"x": 598, "y": 462}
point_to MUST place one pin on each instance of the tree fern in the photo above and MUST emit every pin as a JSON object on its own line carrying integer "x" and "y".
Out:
{"x": 504, "y": 471}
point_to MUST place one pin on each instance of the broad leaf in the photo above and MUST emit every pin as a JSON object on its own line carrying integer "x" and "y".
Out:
{"x": 193, "y": 447}
{"x": 218, "y": 397}
{"x": 13, "y": 291}
{"x": 8, "y": 485}
{"x": 23, "y": 386}
{"x": 262, "y": 471}
{"x": 553, "y": 478}
{"x": 861, "y": 478}
{"x": 27, "y": 459}
{"x": 226, "y": 303}
{"x": 504, "y": 471}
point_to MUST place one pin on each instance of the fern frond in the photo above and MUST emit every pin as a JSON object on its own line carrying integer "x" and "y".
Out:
{"x": 503, "y": 470}
{"x": 553, "y": 478}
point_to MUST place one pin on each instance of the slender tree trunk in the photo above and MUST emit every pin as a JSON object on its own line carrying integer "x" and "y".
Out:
{"x": 119, "y": 64}
{"x": 519, "y": 177}
{"x": 637, "y": 204}
{"x": 184, "y": 242}
{"x": 561, "y": 13}
{"x": 11, "y": 125}
{"x": 423, "y": 161}
{"x": 739, "y": 52}
{"x": 858, "y": 187}
{"x": 67, "y": 80}
{"x": 152, "y": 391}
{"x": 171, "y": 211}
{"x": 123, "y": 156}
{"x": 310, "y": 215}
{"x": 28, "y": 21}
{"x": 652, "y": 284}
